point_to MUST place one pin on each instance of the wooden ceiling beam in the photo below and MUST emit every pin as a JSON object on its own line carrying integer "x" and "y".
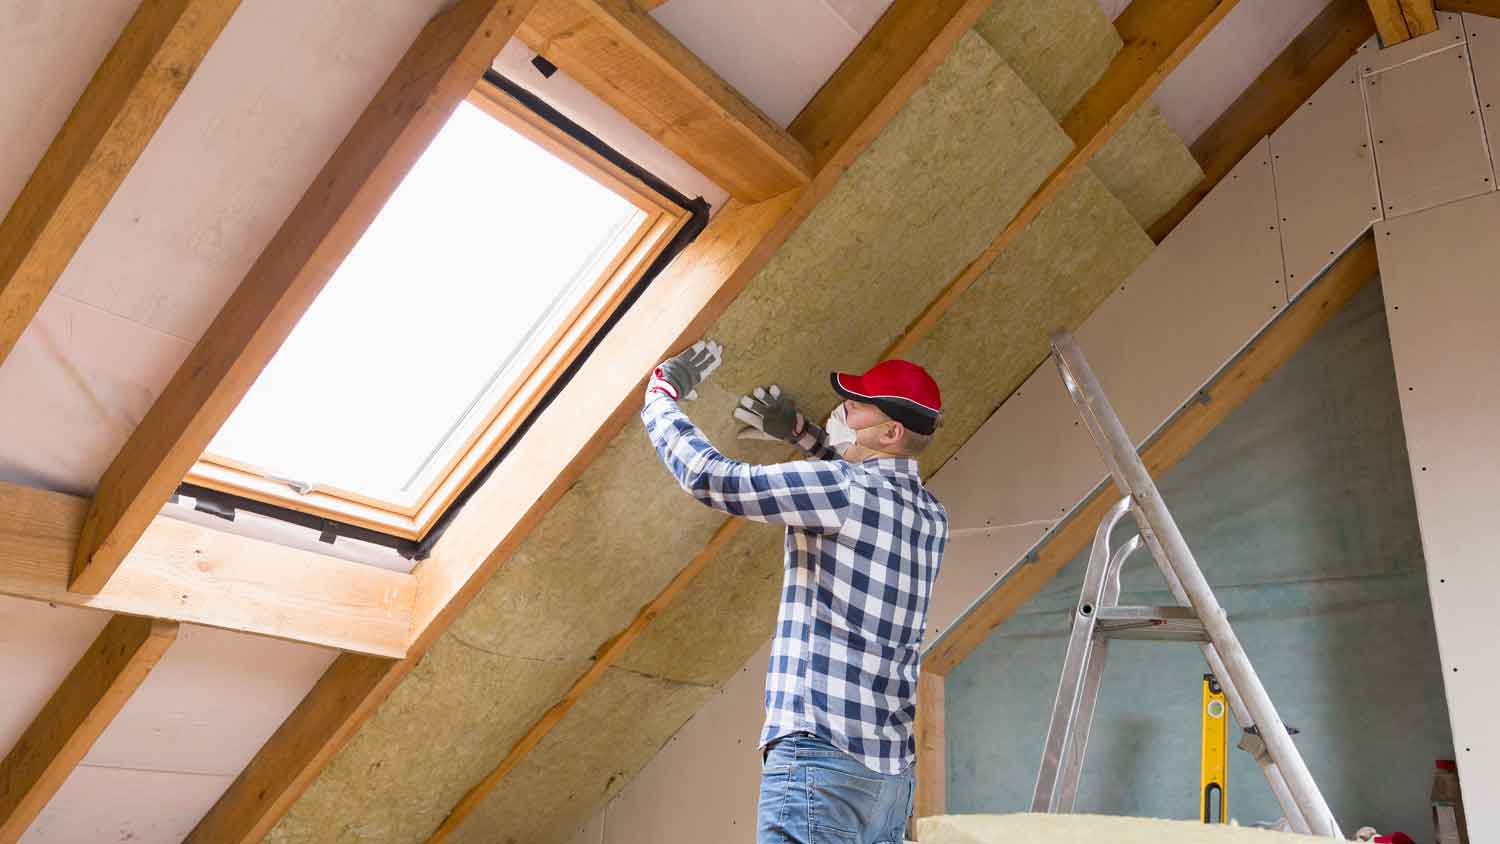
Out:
{"x": 1490, "y": 8}
{"x": 605, "y": 392}
{"x": 94, "y": 692}
{"x": 1158, "y": 35}
{"x": 1401, "y": 20}
{"x": 1311, "y": 59}
{"x": 183, "y": 572}
{"x": 628, "y": 60}
{"x": 122, "y": 107}
{"x": 1229, "y": 389}
{"x": 442, "y": 66}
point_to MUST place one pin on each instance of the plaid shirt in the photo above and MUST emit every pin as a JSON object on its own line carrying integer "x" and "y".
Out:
{"x": 863, "y": 543}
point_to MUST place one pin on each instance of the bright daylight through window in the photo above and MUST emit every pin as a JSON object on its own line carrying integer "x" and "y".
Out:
{"x": 493, "y": 263}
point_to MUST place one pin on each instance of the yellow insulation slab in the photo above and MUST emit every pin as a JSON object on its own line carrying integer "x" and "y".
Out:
{"x": 1147, "y": 166}
{"x": 1091, "y": 829}
{"x": 1059, "y": 48}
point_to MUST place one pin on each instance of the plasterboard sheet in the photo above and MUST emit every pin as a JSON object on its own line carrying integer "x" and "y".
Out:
{"x": 210, "y": 703}
{"x": 1429, "y": 141}
{"x": 74, "y": 388}
{"x": 973, "y": 563}
{"x": 1030, "y": 463}
{"x": 1442, "y": 295}
{"x": 580, "y": 105}
{"x": 778, "y": 53}
{"x": 592, "y": 831}
{"x": 1378, "y": 59}
{"x": 1484, "y": 53}
{"x": 51, "y": 50}
{"x": 39, "y": 645}
{"x": 1199, "y": 298}
{"x": 234, "y": 155}
{"x": 125, "y": 805}
{"x": 1325, "y": 177}
{"x": 702, "y": 786}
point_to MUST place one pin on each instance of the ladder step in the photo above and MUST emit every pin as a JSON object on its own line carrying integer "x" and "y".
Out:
{"x": 1165, "y": 624}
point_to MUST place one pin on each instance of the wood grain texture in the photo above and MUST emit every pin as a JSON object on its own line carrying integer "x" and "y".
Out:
{"x": 1311, "y": 58}
{"x": 628, "y": 60}
{"x": 1473, "y": 7}
{"x": 932, "y": 747}
{"x": 1228, "y": 390}
{"x": 183, "y": 572}
{"x": 1400, "y": 20}
{"x": 76, "y": 715}
{"x": 1158, "y": 35}
{"x": 120, "y": 110}
{"x": 439, "y": 70}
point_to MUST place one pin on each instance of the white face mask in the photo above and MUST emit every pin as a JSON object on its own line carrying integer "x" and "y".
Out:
{"x": 840, "y": 435}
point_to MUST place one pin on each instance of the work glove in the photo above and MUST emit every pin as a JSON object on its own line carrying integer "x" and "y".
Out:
{"x": 770, "y": 415}
{"x": 678, "y": 377}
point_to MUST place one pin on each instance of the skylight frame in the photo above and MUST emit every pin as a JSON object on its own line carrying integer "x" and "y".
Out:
{"x": 662, "y": 220}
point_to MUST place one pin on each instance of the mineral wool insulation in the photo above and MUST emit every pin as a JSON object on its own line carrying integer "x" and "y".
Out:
{"x": 929, "y": 194}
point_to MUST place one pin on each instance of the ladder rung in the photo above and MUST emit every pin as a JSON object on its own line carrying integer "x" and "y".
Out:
{"x": 1170, "y": 624}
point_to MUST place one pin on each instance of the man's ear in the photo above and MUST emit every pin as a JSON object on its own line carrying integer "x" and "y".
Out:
{"x": 892, "y": 435}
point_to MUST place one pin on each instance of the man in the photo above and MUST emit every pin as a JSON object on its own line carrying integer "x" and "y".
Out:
{"x": 863, "y": 544}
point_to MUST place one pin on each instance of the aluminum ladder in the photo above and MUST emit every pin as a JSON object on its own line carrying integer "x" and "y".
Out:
{"x": 1197, "y": 617}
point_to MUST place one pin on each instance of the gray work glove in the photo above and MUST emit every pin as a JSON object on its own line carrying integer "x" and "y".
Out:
{"x": 770, "y": 415}
{"x": 678, "y": 377}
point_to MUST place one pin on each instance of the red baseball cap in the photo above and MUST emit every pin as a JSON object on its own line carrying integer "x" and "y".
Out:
{"x": 900, "y": 388}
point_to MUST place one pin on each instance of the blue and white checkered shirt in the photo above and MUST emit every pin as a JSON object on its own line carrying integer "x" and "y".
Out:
{"x": 863, "y": 544}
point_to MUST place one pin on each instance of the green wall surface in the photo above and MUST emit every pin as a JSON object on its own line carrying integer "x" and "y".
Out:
{"x": 1299, "y": 508}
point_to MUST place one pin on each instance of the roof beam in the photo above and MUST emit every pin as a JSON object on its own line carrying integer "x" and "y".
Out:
{"x": 1311, "y": 59}
{"x": 676, "y": 309}
{"x": 1229, "y": 389}
{"x": 442, "y": 66}
{"x": 180, "y": 571}
{"x": 127, "y": 99}
{"x": 628, "y": 60}
{"x": 1473, "y": 7}
{"x": 1401, "y": 20}
{"x": 1158, "y": 35}
{"x": 94, "y": 692}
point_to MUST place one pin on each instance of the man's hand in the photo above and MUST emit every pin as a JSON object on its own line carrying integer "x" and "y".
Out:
{"x": 678, "y": 377}
{"x": 768, "y": 415}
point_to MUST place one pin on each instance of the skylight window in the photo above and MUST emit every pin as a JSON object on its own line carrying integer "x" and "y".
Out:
{"x": 491, "y": 266}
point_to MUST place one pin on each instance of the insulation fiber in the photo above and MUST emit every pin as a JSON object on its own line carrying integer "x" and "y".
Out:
{"x": 599, "y": 747}
{"x": 447, "y": 725}
{"x": 1059, "y": 48}
{"x": 1147, "y": 166}
{"x": 1089, "y": 829}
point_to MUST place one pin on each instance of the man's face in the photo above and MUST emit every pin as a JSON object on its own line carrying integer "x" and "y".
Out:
{"x": 862, "y": 415}
{"x": 872, "y": 434}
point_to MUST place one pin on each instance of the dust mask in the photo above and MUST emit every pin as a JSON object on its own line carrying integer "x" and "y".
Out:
{"x": 840, "y": 435}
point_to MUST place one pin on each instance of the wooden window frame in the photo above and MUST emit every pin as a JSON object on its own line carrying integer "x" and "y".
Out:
{"x": 518, "y": 398}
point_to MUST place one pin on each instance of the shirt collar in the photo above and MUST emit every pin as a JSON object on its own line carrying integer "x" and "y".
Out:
{"x": 893, "y": 465}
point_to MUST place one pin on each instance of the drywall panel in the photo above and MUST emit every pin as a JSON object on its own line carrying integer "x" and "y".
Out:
{"x": 51, "y": 50}
{"x": 1442, "y": 290}
{"x": 125, "y": 805}
{"x": 74, "y": 388}
{"x": 1206, "y": 290}
{"x": 704, "y": 783}
{"x": 1030, "y": 463}
{"x": 1326, "y": 191}
{"x": 777, "y": 53}
{"x": 1378, "y": 59}
{"x": 210, "y": 703}
{"x": 39, "y": 644}
{"x": 973, "y": 563}
{"x": 1429, "y": 141}
{"x": 592, "y": 830}
{"x": 1484, "y": 53}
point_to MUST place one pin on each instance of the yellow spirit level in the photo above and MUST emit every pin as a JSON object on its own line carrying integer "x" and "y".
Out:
{"x": 1214, "y": 765}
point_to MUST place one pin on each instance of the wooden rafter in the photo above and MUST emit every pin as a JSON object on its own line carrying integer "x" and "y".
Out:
{"x": 1287, "y": 82}
{"x": 1228, "y": 390}
{"x": 1473, "y": 7}
{"x": 677, "y": 308}
{"x": 127, "y": 99}
{"x": 439, "y": 70}
{"x": 94, "y": 692}
{"x": 183, "y": 572}
{"x": 631, "y": 62}
{"x": 932, "y": 747}
{"x": 1401, "y": 20}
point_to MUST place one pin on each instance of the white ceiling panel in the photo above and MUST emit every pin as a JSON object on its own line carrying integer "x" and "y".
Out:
{"x": 778, "y": 53}
{"x": 860, "y": 14}
{"x": 121, "y": 805}
{"x": 210, "y": 703}
{"x": 73, "y": 389}
{"x": 51, "y": 49}
{"x": 39, "y": 644}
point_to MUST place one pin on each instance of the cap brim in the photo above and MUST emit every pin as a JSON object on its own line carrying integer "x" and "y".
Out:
{"x": 917, "y": 417}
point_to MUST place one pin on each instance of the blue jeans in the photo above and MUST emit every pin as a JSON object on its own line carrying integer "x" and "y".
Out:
{"x": 813, "y": 793}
